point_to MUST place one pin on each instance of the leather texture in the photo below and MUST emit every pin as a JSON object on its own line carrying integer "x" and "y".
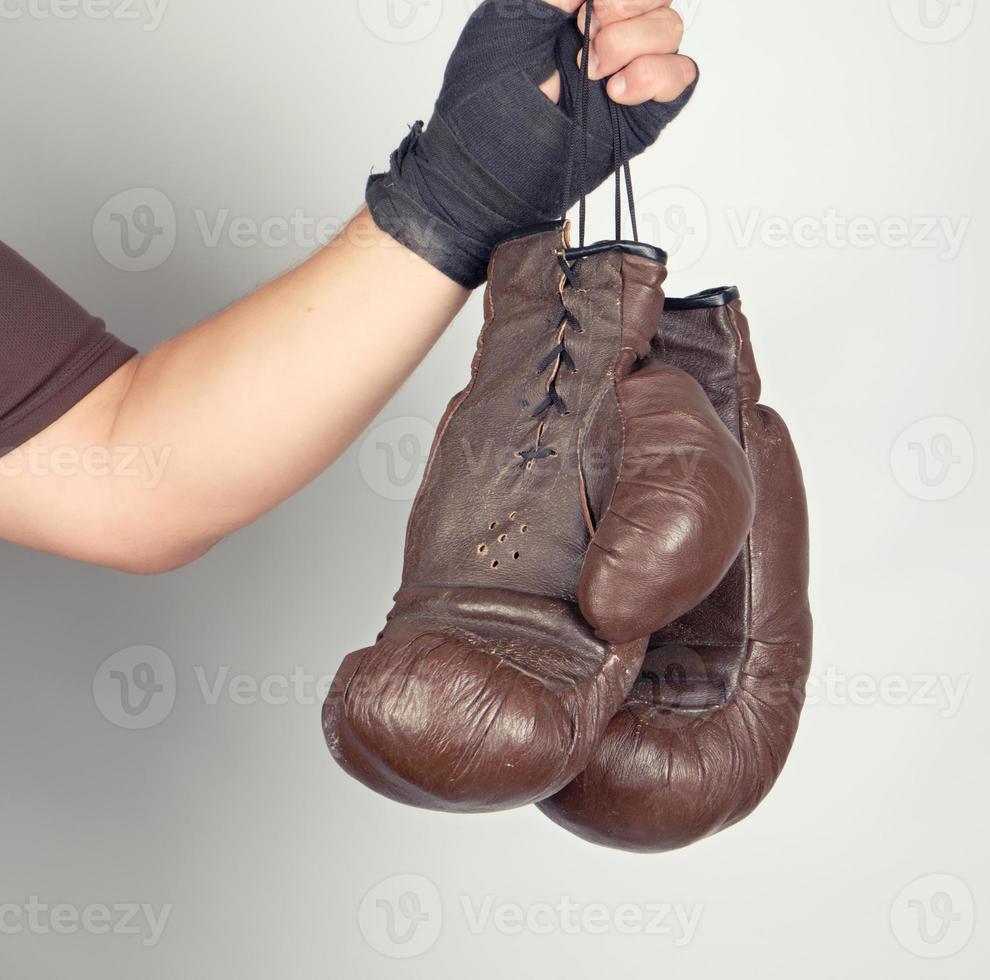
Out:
{"x": 579, "y": 496}
{"x": 708, "y": 726}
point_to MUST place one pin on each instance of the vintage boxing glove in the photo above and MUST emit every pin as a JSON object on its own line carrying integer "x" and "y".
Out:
{"x": 576, "y": 499}
{"x": 709, "y": 723}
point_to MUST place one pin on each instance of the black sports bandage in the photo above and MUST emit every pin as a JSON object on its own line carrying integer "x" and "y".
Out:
{"x": 494, "y": 158}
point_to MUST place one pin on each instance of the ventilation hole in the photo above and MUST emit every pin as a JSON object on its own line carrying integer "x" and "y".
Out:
{"x": 502, "y": 538}
{"x": 482, "y": 549}
{"x": 493, "y": 525}
{"x": 515, "y": 513}
{"x": 524, "y": 529}
{"x": 494, "y": 564}
{"x": 515, "y": 555}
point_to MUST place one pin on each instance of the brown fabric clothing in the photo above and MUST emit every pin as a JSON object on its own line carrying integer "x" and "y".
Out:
{"x": 52, "y": 352}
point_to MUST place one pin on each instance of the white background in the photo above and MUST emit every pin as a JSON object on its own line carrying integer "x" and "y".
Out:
{"x": 873, "y": 341}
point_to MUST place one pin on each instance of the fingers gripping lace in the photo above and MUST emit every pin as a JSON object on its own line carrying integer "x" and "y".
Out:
{"x": 619, "y": 153}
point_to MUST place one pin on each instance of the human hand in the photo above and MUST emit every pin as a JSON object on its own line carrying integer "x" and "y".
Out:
{"x": 636, "y": 43}
{"x": 495, "y": 157}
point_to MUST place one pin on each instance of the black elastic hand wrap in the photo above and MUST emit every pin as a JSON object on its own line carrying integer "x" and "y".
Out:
{"x": 494, "y": 158}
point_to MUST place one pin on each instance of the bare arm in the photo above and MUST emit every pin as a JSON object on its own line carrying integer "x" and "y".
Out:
{"x": 218, "y": 425}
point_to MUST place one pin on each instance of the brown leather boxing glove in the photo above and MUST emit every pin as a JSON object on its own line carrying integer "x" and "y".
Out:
{"x": 711, "y": 718}
{"x": 578, "y": 497}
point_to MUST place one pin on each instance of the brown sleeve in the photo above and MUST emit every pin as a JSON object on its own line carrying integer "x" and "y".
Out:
{"x": 52, "y": 352}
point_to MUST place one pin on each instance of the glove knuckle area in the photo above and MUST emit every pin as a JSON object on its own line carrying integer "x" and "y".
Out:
{"x": 467, "y": 714}
{"x": 664, "y": 777}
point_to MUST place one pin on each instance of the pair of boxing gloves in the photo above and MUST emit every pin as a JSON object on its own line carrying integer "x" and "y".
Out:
{"x": 604, "y": 603}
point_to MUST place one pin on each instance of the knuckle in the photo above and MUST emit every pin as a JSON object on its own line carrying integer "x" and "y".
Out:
{"x": 662, "y": 77}
{"x": 644, "y": 74}
{"x": 609, "y": 44}
{"x": 624, "y": 9}
{"x": 672, "y": 21}
{"x": 606, "y": 11}
{"x": 659, "y": 77}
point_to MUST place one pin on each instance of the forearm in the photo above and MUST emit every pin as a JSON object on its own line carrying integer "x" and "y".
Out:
{"x": 225, "y": 421}
{"x": 254, "y": 403}
{"x": 214, "y": 428}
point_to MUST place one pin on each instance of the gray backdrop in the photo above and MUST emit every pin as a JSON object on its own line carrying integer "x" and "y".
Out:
{"x": 193, "y": 824}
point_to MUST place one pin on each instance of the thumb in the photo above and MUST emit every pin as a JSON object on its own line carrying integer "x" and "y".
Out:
{"x": 568, "y": 6}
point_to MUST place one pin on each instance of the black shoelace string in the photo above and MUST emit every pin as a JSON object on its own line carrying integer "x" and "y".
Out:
{"x": 579, "y": 161}
{"x": 559, "y": 358}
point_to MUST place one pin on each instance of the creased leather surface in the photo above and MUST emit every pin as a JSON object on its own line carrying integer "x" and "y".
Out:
{"x": 511, "y": 645}
{"x": 707, "y": 728}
